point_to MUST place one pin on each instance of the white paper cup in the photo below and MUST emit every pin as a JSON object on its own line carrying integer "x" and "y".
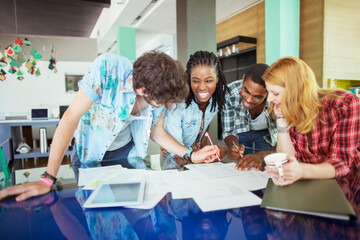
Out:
{"x": 277, "y": 160}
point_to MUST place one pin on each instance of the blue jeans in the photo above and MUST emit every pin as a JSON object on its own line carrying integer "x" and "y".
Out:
{"x": 118, "y": 156}
{"x": 254, "y": 141}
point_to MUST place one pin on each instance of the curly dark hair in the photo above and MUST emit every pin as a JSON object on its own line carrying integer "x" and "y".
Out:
{"x": 163, "y": 78}
{"x": 208, "y": 59}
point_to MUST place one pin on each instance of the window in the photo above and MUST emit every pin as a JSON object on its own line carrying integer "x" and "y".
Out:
{"x": 71, "y": 82}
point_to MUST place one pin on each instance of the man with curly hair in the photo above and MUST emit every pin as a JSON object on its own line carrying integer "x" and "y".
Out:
{"x": 112, "y": 115}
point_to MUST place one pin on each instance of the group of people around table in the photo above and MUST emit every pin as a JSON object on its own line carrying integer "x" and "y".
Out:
{"x": 279, "y": 108}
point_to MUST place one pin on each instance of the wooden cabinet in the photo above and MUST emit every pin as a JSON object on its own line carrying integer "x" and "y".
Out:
{"x": 237, "y": 55}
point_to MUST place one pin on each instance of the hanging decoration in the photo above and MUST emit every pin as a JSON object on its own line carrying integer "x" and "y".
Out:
{"x": 52, "y": 61}
{"x": 2, "y": 75}
{"x": 13, "y": 58}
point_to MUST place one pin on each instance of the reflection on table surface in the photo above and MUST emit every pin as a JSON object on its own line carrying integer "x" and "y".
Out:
{"x": 59, "y": 215}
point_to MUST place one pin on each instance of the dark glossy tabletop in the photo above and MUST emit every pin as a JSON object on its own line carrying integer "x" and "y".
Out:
{"x": 59, "y": 215}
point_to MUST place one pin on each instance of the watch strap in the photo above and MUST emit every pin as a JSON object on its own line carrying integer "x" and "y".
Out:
{"x": 49, "y": 176}
{"x": 187, "y": 155}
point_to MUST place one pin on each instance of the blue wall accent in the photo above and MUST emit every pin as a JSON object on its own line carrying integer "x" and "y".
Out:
{"x": 126, "y": 43}
{"x": 282, "y": 29}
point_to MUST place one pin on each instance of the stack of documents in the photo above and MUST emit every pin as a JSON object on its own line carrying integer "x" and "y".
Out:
{"x": 213, "y": 186}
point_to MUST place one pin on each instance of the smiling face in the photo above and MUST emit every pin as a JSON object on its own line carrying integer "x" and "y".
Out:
{"x": 203, "y": 82}
{"x": 252, "y": 94}
{"x": 275, "y": 95}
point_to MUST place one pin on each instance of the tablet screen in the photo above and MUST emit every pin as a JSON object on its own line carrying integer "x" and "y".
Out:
{"x": 116, "y": 194}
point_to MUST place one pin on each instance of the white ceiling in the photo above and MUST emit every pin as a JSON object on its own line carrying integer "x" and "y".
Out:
{"x": 160, "y": 18}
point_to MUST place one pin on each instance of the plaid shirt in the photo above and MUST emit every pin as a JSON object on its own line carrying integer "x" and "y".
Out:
{"x": 236, "y": 118}
{"x": 336, "y": 140}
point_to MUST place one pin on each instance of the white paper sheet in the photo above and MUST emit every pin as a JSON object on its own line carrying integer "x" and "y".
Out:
{"x": 250, "y": 180}
{"x": 182, "y": 182}
{"x": 87, "y": 175}
{"x": 162, "y": 178}
{"x": 223, "y": 195}
{"x": 215, "y": 170}
{"x": 116, "y": 176}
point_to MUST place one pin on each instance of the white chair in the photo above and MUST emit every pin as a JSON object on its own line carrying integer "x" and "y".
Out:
{"x": 154, "y": 155}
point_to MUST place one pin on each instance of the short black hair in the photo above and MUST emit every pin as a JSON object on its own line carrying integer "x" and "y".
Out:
{"x": 208, "y": 59}
{"x": 255, "y": 72}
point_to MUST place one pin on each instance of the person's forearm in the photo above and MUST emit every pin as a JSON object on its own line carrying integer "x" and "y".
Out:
{"x": 284, "y": 143}
{"x": 63, "y": 135}
{"x": 65, "y": 131}
{"x": 317, "y": 171}
{"x": 165, "y": 140}
{"x": 169, "y": 143}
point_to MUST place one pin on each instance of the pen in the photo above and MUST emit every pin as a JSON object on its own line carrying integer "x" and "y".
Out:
{"x": 207, "y": 134}
{"x": 236, "y": 146}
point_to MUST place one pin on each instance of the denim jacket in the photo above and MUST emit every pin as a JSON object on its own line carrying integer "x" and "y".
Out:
{"x": 183, "y": 123}
{"x": 108, "y": 83}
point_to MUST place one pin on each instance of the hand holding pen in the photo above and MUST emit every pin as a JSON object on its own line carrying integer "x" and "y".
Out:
{"x": 212, "y": 144}
{"x": 250, "y": 160}
{"x": 237, "y": 147}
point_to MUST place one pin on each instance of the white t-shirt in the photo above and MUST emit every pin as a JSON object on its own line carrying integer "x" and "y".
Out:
{"x": 124, "y": 136}
{"x": 259, "y": 123}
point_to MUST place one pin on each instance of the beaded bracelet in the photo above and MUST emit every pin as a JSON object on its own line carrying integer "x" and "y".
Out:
{"x": 47, "y": 181}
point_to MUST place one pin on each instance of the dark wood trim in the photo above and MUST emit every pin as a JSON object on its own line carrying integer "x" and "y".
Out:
{"x": 234, "y": 40}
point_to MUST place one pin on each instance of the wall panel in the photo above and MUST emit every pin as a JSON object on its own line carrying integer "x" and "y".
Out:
{"x": 311, "y": 35}
{"x": 250, "y": 23}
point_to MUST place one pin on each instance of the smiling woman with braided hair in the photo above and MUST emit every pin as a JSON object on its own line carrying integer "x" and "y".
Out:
{"x": 189, "y": 121}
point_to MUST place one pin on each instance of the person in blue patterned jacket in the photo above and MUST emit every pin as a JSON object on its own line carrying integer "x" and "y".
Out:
{"x": 117, "y": 106}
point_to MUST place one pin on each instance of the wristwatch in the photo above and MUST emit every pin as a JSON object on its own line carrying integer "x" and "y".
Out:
{"x": 187, "y": 155}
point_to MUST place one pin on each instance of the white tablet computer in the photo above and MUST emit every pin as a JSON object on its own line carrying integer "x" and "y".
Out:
{"x": 116, "y": 194}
